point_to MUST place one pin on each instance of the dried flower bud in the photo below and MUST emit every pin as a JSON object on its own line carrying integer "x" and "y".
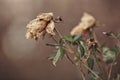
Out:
{"x": 91, "y": 43}
{"x": 87, "y": 21}
{"x": 38, "y": 27}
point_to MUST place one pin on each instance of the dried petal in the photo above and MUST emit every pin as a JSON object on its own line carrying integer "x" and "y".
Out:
{"x": 87, "y": 21}
{"x": 50, "y": 27}
{"x": 38, "y": 27}
{"x": 45, "y": 16}
{"x": 77, "y": 30}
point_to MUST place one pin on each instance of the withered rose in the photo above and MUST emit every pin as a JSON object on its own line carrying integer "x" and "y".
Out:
{"x": 38, "y": 27}
{"x": 87, "y": 21}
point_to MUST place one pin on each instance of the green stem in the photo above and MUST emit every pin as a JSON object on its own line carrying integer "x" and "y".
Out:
{"x": 98, "y": 77}
{"x": 110, "y": 71}
{"x": 100, "y": 68}
{"x": 69, "y": 50}
{"x": 99, "y": 46}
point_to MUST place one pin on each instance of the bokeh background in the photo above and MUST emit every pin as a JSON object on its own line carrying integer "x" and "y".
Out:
{"x": 22, "y": 59}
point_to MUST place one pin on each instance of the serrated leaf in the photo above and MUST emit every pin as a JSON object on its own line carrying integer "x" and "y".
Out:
{"x": 58, "y": 56}
{"x": 90, "y": 63}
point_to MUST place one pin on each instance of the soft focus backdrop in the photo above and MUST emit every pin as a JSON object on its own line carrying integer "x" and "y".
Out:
{"x": 22, "y": 59}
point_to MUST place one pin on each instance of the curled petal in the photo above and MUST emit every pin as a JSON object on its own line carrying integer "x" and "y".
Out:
{"x": 87, "y": 21}
{"x": 38, "y": 27}
{"x": 28, "y": 35}
{"x": 35, "y": 28}
{"x": 45, "y": 16}
{"x": 50, "y": 27}
{"x": 77, "y": 30}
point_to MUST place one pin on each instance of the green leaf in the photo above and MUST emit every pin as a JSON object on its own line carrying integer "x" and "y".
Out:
{"x": 81, "y": 49}
{"x": 116, "y": 49}
{"x": 94, "y": 76}
{"x": 109, "y": 56}
{"x": 118, "y": 35}
{"x": 110, "y": 34}
{"x": 52, "y": 44}
{"x": 90, "y": 63}
{"x": 51, "y": 57}
{"x": 105, "y": 49}
{"x": 68, "y": 38}
{"x": 77, "y": 37}
{"x": 58, "y": 56}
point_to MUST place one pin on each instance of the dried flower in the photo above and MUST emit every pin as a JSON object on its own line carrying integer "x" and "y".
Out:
{"x": 87, "y": 21}
{"x": 38, "y": 27}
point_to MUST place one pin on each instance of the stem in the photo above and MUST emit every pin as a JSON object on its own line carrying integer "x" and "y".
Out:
{"x": 98, "y": 77}
{"x": 99, "y": 66}
{"x": 54, "y": 39}
{"x": 69, "y": 59}
{"x": 70, "y": 51}
{"x": 110, "y": 71}
{"x": 58, "y": 32}
{"x": 81, "y": 72}
{"x": 99, "y": 46}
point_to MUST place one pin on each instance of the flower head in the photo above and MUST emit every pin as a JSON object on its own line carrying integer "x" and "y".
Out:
{"x": 87, "y": 21}
{"x": 38, "y": 27}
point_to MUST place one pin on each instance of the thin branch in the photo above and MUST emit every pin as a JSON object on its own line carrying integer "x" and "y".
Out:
{"x": 98, "y": 77}
{"x": 110, "y": 71}
{"x": 54, "y": 39}
{"x": 60, "y": 35}
{"x": 81, "y": 72}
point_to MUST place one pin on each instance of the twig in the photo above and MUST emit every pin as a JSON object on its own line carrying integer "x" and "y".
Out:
{"x": 98, "y": 77}
{"x": 110, "y": 71}
{"x": 58, "y": 32}
{"x": 99, "y": 66}
{"x": 54, "y": 39}
{"x": 81, "y": 72}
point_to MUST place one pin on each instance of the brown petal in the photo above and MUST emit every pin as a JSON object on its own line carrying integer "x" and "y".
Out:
{"x": 50, "y": 27}
{"x": 88, "y": 20}
{"x": 45, "y": 16}
{"x": 77, "y": 30}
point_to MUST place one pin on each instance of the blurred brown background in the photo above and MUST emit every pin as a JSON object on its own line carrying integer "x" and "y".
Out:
{"x": 22, "y": 59}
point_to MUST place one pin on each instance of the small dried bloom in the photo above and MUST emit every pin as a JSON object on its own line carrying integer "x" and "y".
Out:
{"x": 91, "y": 43}
{"x": 38, "y": 27}
{"x": 87, "y": 21}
